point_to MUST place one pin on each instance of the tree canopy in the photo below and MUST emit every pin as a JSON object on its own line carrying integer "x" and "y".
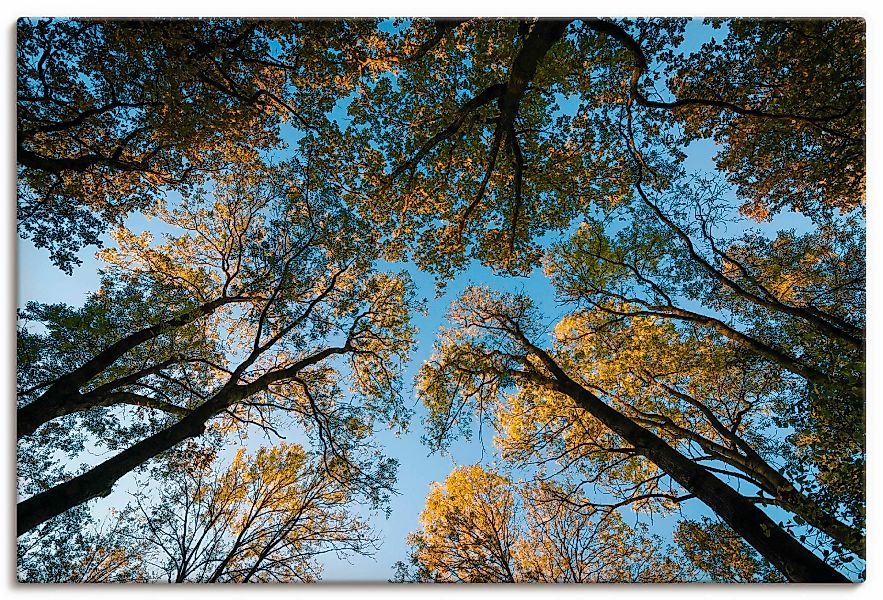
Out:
{"x": 494, "y": 132}
{"x": 692, "y": 193}
{"x": 114, "y": 113}
{"x": 237, "y": 333}
{"x": 479, "y": 526}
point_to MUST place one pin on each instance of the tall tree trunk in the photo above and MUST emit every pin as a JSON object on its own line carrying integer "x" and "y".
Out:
{"x": 99, "y": 480}
{"x": 795, "y": 561}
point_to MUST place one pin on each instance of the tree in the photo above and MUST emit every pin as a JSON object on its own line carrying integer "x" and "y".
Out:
{"x": 263, "y": 518}
{"x": 491, "y": 348}
{"x": 701, "y": 394}
{"x": 479, "y": 526}
{"x": 114, "y": 114}
{"x": 496, "y": 132}
{"x": 795, "y": 302}
{"x": 468, "y": 529}
{"x": 313, "y": 300}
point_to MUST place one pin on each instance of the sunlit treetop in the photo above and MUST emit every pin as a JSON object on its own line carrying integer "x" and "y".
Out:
{"x": 481, "y": 526}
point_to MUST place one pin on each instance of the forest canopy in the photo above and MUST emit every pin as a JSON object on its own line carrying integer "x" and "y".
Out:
{"x": 649, "y": 235}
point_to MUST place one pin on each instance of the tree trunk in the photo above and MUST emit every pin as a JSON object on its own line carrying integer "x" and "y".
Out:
{"x": 99, "y": 480}
{"x": 63, "y": 397}
{"x": 796, "y": 562}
